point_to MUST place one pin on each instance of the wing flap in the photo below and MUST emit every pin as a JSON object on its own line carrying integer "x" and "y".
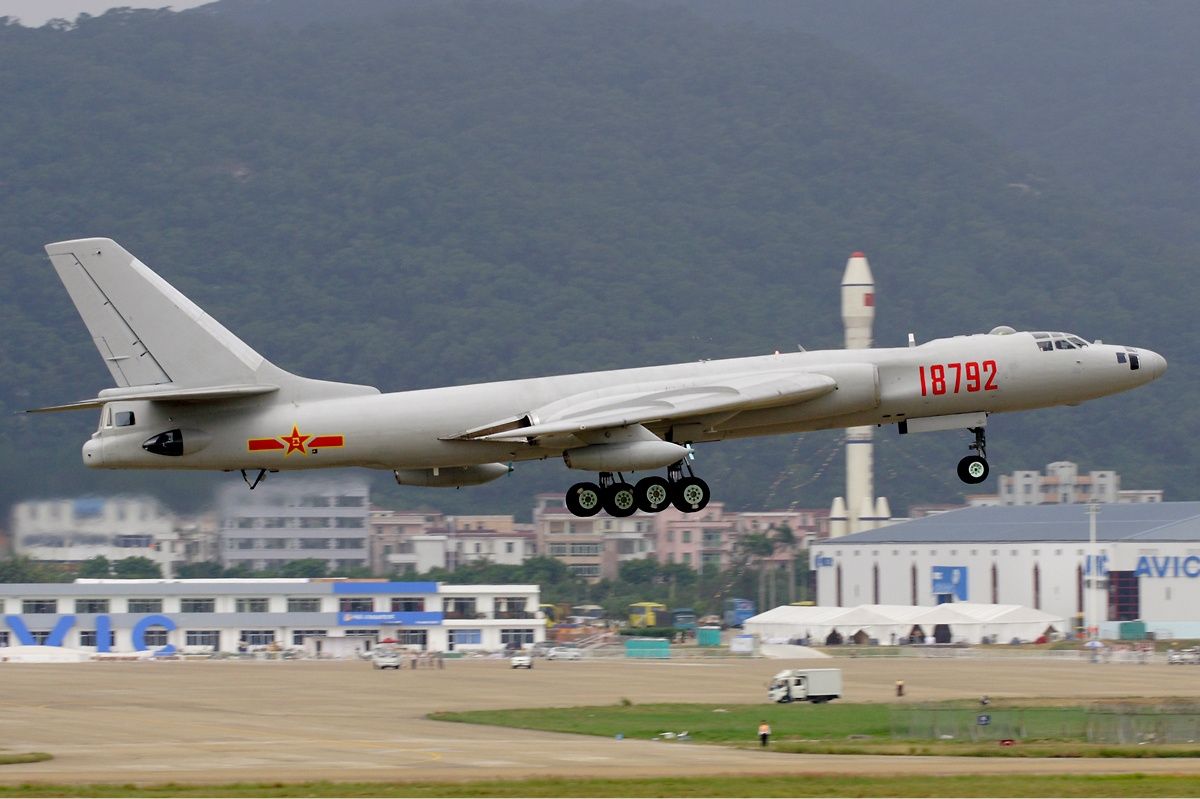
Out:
{"x": 629, "y": 405}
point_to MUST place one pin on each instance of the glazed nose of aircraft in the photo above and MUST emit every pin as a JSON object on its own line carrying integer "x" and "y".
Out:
{"x": 93, "y": 452}
{"x": 1153, "y": 363}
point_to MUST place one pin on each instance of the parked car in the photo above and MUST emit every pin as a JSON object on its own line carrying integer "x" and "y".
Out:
{"x": 564, "y": 653}
{"x": 387, "y": 657}
{"x": 539, "y": 648}
{"x": 521, "y": 661}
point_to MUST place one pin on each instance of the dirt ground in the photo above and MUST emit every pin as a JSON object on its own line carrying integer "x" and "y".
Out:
{"x": 217, "y": 722}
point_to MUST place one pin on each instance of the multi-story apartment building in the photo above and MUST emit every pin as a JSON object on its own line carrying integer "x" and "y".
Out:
{"x": 393, "y": 538}
{"x": 75, "y": 530}
{"x": 806, "y": 525}
{"x": 413, "y": 542}
{"x": 1062, "y": 484}
{"x": 295, "y": 519}
{"x": 591, "y": 547}
{"x": 697, "y": 540}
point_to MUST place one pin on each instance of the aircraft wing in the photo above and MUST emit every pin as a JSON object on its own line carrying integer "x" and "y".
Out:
{"x": 622, "y": 406}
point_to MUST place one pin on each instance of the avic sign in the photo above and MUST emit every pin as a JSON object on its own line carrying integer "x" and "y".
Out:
{"x": 1168, "y": 566}
{"x": 103, "y": 632}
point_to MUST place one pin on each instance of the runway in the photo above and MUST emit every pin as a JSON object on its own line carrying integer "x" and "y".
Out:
{"x": 218, "y": 722}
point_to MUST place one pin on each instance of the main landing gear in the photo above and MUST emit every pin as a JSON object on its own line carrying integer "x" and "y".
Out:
{"x": 973, "y": 469}
{"x": 650, "y": 495}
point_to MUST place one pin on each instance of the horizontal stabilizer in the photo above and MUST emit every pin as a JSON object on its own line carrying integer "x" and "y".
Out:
{"x": 162, "y": 394}
{"x": 629, "y": 405}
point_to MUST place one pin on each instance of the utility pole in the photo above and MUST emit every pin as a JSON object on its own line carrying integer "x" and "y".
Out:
{"x": 1091, "y": 621}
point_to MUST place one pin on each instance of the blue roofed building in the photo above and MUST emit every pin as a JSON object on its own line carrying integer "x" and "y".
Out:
{"x": 1144, "y": 565}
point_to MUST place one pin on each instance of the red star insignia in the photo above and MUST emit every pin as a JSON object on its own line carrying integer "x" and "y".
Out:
{"x": 295, "y": 442}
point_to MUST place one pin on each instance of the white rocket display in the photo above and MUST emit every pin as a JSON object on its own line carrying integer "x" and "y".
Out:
{"x": 859, "y": 509}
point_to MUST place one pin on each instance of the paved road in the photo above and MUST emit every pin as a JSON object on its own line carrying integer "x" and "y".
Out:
{"x": 211, "y": 722}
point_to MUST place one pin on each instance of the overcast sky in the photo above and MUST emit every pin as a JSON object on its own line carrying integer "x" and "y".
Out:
{"x": 35, "y": 13}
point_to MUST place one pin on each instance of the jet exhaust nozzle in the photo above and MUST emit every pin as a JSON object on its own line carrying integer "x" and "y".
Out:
{"x": 452, "y": 476}
{"x": 631, "y": 456}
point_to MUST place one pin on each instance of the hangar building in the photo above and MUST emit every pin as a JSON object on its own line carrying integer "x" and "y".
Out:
{"x": 226, "y": 615}
{"x": 1147, "y": 559}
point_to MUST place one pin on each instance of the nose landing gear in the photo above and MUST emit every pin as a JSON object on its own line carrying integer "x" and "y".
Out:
{"x": 974, "y": 469}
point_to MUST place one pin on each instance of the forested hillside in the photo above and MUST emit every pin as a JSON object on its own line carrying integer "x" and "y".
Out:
{"x": 424, "y": 194}
{"x": 1101, "y": 92}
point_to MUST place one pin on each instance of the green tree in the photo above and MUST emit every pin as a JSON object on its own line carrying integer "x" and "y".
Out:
{"x": 22, "y": 569}
{"x": 305, "y": 567}
{"x": 755, "y": 549}
{"x": 785, "y": 540}
{"x": 96, "y": 567}
{"x": 640, "y": 572}
{"x": 136, "y": 568}
{"x": 199, "y": 571}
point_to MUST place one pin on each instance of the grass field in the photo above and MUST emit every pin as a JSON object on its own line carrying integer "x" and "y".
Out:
{"x": 1015, "y": 730}
{"x": 1123, "y": 785}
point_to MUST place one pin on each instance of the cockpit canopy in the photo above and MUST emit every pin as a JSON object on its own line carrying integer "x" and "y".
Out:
{"x": 1059, "y": 341}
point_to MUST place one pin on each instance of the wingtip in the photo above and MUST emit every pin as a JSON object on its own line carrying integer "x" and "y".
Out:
{"x": 70, "y": 245}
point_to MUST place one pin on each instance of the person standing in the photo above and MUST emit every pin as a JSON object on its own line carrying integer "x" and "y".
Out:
{"x": 764, "y": 733}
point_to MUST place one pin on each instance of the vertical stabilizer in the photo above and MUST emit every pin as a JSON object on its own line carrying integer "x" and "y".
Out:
{"x": 152, "y": 337}
{"x": 147, "y": 332}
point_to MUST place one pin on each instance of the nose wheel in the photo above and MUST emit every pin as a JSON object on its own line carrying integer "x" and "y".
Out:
{"x": 974, "y": 469}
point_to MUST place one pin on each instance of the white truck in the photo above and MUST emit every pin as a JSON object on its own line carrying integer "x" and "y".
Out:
{"x": 806, "y": 685}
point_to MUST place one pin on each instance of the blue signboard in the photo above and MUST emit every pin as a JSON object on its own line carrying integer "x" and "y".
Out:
{"x": 384, "y": 588}
{"x": 103, "y": 631}
{"x": 951, "y": 580}
{"x": 419, "y": 618}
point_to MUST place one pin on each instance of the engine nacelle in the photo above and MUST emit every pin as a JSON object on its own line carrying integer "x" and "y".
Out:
{"x": 451, "y": 476}
{"x": 629, "y": 456}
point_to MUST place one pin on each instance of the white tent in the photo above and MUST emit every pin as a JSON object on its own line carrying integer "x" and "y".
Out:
{"x": 948, "y": 623}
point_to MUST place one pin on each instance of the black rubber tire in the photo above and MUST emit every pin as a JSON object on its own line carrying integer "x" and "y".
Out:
{"x": 973, "y": 470}
{"x": 584, "y": 499}
{"x": 619, "y": 500}
{"x": 652, "y": 494}
{"x": 690, "y": 494}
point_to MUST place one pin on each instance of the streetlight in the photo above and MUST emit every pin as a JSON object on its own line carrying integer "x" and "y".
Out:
{"x": 1091, "y": 620}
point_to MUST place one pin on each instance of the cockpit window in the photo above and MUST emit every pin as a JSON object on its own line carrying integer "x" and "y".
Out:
{"x": 1048, "y": 342}
{"x": 123, "y": 419}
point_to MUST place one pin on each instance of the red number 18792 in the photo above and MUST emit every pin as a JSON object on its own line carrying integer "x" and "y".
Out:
{"x": 954, "y": 378}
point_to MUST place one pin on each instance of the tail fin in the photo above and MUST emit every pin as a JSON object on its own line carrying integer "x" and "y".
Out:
{"x": 150, "y": 335}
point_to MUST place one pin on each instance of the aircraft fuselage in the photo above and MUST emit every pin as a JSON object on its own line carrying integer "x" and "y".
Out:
{"x": 983, "y": 373}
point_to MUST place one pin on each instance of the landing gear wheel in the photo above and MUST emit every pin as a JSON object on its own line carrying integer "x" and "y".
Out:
{"x": 690, "y": 494}
{"x": 652, "y": 494}
{"x": 618, "y": 499}
{"x": 583, "y": 499}
{"x": 973, "y": 469}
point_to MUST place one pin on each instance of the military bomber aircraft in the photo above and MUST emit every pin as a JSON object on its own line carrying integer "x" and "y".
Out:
{"x": 191, "y": 395}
